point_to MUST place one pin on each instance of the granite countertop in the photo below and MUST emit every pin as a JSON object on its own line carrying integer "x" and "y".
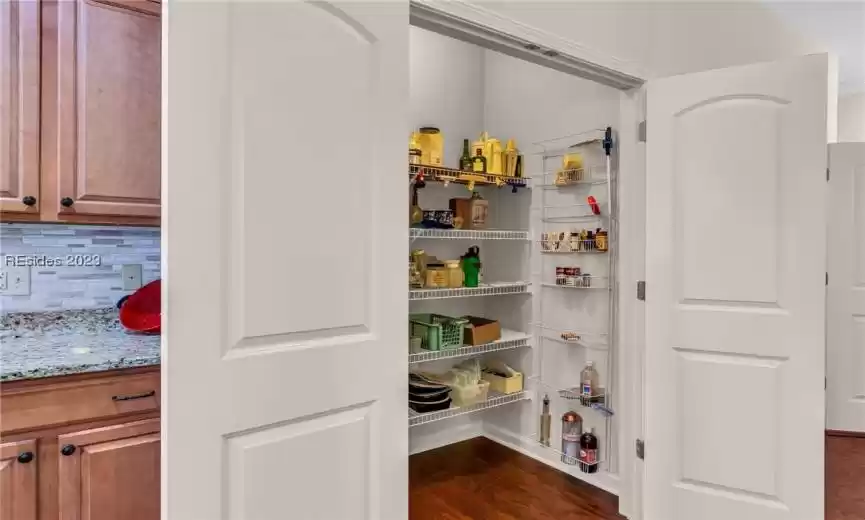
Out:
{"x": 44, "y": 344}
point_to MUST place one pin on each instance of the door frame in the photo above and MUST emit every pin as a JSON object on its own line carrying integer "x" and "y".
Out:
{"x": 472, "y": 23}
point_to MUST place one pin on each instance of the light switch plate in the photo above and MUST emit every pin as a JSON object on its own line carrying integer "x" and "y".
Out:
{"x": 131, "y": 274}
{"x": 15, "y": 281}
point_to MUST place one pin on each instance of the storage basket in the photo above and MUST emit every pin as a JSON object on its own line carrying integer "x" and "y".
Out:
{"x": 437, "y": 332}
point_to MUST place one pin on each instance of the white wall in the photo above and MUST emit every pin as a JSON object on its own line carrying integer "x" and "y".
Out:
{"x": 851, "y": 118}
{"x": 446, "y": 89}
{"x": 666, "y": 38}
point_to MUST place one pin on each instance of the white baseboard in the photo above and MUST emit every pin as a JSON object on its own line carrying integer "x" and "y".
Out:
{"x": 605, "y": 481}
{"x": 432, "y": 436}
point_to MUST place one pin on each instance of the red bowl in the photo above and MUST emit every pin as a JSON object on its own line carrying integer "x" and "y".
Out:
{"x": 142, "y": 311}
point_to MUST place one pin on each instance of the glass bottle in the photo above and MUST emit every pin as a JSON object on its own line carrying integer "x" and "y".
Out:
{"x": 479, "y": 162}
{"x": 546, "y": 422}
{"x": 415, "y": 213}
{"x": 588, "y": 383}
{"x": 466, "y": 158}
{"x": 589, "y": 451}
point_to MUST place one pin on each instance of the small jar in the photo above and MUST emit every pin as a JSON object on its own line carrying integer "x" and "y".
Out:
{"x": 455, "y": 273}
{"x": 570, "y": 277}
{"x": 560, "y": 276}
{"x": 436, "y": 276}
{"x": 601, "y": 240}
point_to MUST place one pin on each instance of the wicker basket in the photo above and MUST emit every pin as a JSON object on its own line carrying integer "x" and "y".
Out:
{"x": 437, "y": 332}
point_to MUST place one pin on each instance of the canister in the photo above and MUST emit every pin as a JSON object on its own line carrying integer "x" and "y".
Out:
{"x": 432, "y": 146}
{"x": 455, "y": 273}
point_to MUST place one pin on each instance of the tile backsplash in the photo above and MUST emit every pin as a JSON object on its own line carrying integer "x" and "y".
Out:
{"x": 72, "y": 287}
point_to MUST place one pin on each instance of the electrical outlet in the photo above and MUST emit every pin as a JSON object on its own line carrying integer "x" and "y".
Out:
{"x": 131, "y": 276}
{"x": 15, "y": 281}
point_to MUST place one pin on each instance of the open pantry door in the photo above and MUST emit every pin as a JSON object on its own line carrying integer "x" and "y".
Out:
{"x": 735, "y": 266}
{"x": 845, "y": 385}
{"x": 284, "y": 298}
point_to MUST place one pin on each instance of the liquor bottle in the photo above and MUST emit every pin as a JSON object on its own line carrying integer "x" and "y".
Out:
{"x": 589, "y": 452}
{"x": 466, "y": 158}
{"x": 479, "y": 162}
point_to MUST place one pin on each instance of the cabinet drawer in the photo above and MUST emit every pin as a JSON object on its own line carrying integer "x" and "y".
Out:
{"x": 93, "y": 398}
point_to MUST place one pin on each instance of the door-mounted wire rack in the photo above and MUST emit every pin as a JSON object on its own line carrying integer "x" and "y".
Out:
{"x": 593, "y": 213}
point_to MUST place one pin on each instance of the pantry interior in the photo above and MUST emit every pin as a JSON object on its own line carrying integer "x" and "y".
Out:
{"x": 548, "y": 249}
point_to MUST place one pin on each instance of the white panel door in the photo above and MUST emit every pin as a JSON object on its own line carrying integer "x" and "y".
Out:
{"x": 735, "y": 263}
{"x": 845, "y": 306}
{"x": 284, "y": 299}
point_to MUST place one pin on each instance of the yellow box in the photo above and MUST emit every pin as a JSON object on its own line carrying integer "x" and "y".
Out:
{"x": 504, "y": 385}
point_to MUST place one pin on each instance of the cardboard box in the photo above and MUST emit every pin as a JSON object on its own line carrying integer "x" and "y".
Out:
{"x": 504, "y": 385}
{"x": 474, "y": 212}
{"x": 480, "y": 331}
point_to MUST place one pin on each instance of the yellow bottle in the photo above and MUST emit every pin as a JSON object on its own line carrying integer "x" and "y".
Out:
{"x": 510, "y": 159}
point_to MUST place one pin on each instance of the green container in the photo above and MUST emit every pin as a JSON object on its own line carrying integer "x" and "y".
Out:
{"x": 437, "y": 332}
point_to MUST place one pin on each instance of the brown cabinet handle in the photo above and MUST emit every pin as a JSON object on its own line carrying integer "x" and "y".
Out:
{"x": 133, "y": 396}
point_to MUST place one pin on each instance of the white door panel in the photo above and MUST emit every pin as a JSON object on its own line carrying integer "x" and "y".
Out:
{"x": 285, "y": 295}
{"x": 735, "y": 267}
{"x": 846, "y": 293}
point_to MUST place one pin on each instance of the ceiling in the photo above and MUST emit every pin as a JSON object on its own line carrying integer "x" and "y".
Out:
{"x": 839, "y": 26}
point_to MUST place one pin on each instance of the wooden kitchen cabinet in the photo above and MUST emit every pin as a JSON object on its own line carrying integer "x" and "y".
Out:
{"x": 18, "y": 480}
{"x": 101, "y": 136}
{"x": 19, "y": 108}
{"x": 110, "y": 473}
{"x": 95, "y": 445}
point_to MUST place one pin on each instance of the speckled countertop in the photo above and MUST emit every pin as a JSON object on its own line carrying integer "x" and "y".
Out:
{"x": 43, "y": 344}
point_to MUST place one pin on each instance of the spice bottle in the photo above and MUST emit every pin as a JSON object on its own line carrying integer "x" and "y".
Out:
{"x": 471, "y": 263}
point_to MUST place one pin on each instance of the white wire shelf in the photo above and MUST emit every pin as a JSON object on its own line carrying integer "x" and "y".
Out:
{"x": 585, "y": 283}
{"x": 495, "y": 289}
{"x": 589, "y": 340}
{"x": 584, "y": 213}
{"x": 571, "y": 247}
{"x": 567, "y": 459}
{"x": 510, "y": 339}
{"x": 596, "y": 402}
{"x": 494, "y": 400}
{"x": 449, "y": 175}
{"x": 468, "y": 234}
{"x": 565, "y": 178}
{"x": 561, "y": 146}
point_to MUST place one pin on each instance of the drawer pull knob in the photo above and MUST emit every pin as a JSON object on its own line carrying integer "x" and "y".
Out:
{"x": 66, "y": 202}
{"x": 29, "y": 200}
{"x": 67, "y": 450}
{"x": 25, "y": 457}
{"x": 133, "y": 396}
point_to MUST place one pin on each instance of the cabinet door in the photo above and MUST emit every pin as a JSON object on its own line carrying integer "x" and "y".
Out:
{"x": 110, "y": 473}
{"x": 108, "y": 101}
{"x": 18, "y": 480}
{"x": 19, "y": 107}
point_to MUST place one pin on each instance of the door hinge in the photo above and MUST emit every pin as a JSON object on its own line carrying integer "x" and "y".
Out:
{"x": 828, "y": 174}
{"x": 641, "y": 131}
{"x": 641, "y": 449}
{"x": 827, "y": 279}
{"x": 641, "y": 290}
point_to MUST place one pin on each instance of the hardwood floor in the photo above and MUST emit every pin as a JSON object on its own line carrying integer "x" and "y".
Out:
{"x": 845, "y": 478}
{"x": 481, "y": 480}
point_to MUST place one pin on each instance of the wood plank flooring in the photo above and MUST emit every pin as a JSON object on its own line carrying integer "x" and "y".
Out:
{"x": 845, "y": 478}
{"x": 481, "y": 480}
